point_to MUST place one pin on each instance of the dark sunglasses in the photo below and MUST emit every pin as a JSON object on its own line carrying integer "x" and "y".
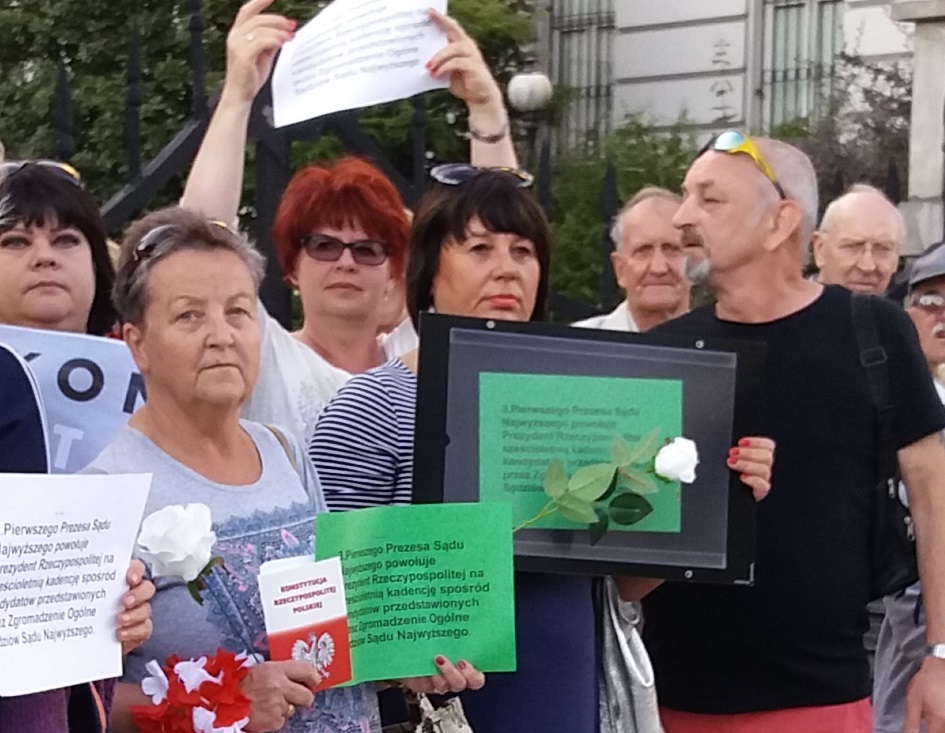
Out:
{"x": 149, "y": 244}
{"x": 456, "y": 174}
{"x": 62, "y": 170}
{"x": 325, "y": 248}
{"x": 732, "y": 142}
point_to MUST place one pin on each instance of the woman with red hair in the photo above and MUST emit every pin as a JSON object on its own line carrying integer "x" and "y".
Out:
{"x": 341, "y": 230}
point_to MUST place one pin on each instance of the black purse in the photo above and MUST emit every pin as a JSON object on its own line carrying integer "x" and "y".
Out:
{"x": 893, "y": 564}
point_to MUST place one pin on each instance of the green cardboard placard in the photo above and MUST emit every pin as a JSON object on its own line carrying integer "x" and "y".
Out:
{"x": 527, "y": 420}
{"x": 423, "y": 581}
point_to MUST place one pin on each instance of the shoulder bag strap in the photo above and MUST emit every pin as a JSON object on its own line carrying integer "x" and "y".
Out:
{"x": 874, "y": 359}
{"x": 290, "y": 454}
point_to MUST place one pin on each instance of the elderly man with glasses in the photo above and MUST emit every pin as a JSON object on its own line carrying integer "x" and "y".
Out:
{"x": 902, "y": 637}
{"x": 859, "y": 239}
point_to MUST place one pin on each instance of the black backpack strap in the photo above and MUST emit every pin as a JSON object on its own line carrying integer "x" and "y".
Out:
{"x": 874, "y": 359}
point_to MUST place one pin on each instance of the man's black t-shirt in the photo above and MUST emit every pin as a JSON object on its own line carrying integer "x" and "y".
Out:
{"x": 796, "y": 637}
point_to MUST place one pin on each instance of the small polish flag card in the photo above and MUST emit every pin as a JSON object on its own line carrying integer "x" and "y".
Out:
{"x": 307, "y": 616}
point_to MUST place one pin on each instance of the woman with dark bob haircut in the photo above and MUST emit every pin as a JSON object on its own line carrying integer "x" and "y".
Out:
{"x": 55, "y": 272}
{"x": 481, "y": 248}
{"x": 496, "y": 201}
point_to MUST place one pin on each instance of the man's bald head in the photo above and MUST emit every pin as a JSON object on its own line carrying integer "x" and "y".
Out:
{"x": 859, "y": 240}
{"x": 797, "y": 177}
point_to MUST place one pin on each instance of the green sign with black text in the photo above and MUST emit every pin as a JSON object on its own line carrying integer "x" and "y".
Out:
{"x": 528, "y": 420}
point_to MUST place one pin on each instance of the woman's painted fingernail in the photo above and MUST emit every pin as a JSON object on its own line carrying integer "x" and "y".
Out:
{"x": 745, "y": 477}
{"x": 440, "y": 661}
{"x": 461, "y": 664}
{"x": 744, "y": 442}
{"x": 734, "y": 453}
{"x": 128, "y": 600}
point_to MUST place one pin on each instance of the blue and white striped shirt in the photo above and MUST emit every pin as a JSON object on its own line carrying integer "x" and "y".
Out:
{"x": 363, "y": 441}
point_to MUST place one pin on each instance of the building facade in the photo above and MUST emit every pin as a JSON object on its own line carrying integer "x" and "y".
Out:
{"x": 753, "y": 64}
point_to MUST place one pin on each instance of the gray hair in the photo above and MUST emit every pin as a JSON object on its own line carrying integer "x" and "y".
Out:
{"x": 644, "y": 194}
{"x": 170, "y": 230}
{"x": 797, "y": 177}
{"x": 856, "y": 188}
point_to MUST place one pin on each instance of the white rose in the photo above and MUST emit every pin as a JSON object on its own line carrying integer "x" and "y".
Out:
{"x": 677, "y": 461}
{"x": 177, "y": 541}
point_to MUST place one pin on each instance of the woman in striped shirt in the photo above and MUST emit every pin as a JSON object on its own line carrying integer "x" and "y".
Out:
{"x": 480, "y": 248}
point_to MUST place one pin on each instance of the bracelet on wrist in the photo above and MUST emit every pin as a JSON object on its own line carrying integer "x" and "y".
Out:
{"x": 489, "y": 139}
{"x": 935, "y": 650}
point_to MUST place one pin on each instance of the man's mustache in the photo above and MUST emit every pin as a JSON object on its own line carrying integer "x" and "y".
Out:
{"x": 690, "y": 237}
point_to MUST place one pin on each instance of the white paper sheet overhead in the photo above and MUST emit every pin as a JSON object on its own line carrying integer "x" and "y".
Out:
{"x": 356, "y": 53}
{"x": 65, "y": 545}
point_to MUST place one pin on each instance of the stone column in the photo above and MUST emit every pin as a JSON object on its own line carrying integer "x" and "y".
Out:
{"x": 924, "y": 211}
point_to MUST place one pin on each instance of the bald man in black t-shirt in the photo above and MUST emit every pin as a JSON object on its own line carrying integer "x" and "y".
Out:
{"x": 786, "y": 655}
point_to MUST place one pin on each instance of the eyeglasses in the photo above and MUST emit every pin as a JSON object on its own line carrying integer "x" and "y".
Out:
{"x": 62, "y": 170}
{"x": 732, "y": 142}
{"x": 456, "y": 174}
{"x": 929, "y": 302}
{"x": 149, "y": 244}
{"x": 325, "y": 248}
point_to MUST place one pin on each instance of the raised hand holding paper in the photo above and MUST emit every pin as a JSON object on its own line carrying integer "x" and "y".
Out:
{"x": 65, "y": 545}
{"x": 306, "y": 615}
{"x": 356, "y": 53}
{"x": 423, "y": 581}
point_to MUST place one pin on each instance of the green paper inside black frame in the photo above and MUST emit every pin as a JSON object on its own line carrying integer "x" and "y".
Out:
{"x": 581, "y": 389}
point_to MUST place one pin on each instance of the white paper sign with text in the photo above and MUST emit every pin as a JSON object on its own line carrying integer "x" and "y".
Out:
{"x": 89, "y": 384}
{"x": 356, "y": 53}
{"x": 65, "y": 545}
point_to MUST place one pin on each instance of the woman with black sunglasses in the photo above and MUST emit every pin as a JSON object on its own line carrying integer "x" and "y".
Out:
{"x": 341, "y": 230}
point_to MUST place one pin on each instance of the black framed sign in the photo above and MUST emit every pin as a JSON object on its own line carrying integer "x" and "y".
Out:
{"x": 572, "y": 425}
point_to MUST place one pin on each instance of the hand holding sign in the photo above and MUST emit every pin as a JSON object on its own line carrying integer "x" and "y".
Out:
{"x": 462, "y": 63}
{"x": 251, "y": 47}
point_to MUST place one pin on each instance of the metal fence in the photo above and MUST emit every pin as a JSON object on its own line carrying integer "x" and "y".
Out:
{"x": 272, "y": 164}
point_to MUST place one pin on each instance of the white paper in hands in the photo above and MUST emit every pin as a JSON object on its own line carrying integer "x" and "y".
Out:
{"x": 65, "y": 545}
{"x": 356, "y": 53}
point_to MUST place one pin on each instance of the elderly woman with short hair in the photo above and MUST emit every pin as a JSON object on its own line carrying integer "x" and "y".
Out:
{"x": 186, "y": 292}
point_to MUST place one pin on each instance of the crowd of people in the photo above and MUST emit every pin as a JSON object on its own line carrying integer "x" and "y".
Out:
{"x": 269, "y": 428}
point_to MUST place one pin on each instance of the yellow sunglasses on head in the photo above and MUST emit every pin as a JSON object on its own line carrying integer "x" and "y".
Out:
{"x": 732, "y": 142}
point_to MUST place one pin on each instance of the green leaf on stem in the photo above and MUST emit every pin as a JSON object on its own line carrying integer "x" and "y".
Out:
{"x": 621, "y": 451}
{"x": 591, "y": 482}
{"x": 556, "y": 479}
{"x": 194, "y": 587}
{"x": 612, "y": 488}
{"x": 638, "y": 481}
{"x": 599, "y": 528}
{"x": 627, "y": 509}
{"x": 576, "y": 509}
{"x": 646, "y": 447}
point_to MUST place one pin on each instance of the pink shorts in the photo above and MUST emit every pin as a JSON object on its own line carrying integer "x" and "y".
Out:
{"x": 851, "y": 717}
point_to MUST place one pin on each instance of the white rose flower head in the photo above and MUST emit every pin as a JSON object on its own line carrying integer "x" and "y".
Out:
{"x": 678, "y": 460}
{"x": 177, "y": 541}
